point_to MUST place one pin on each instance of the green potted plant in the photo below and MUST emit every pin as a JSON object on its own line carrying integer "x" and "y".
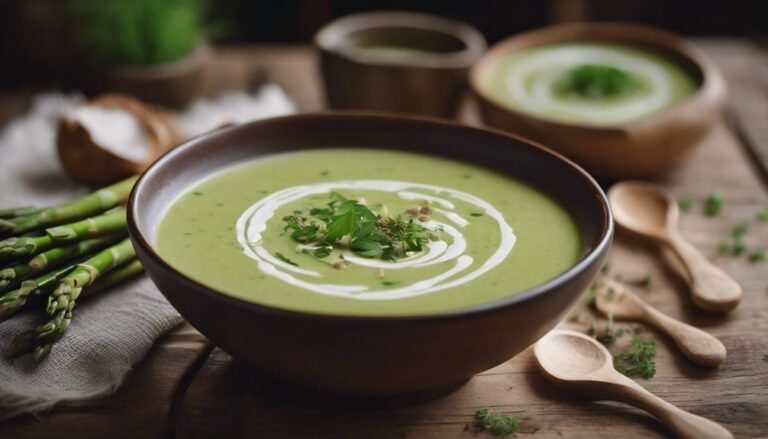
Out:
{"x": 154, "y": 50}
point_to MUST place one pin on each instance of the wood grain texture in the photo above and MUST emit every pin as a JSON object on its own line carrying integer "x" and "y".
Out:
{"x": 139, "y": 409}
{"x": 226, "y": 400}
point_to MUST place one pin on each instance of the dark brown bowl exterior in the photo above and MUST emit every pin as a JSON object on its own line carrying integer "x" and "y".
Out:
{"x": 635, "y": 149}
{"x": 371, "y": 356}
{"x": 430, "y": 84}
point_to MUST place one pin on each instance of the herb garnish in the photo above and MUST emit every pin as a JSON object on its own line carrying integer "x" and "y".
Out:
{"x": 763, "y": 214}
{"x": 477, "y": 214}
{"x": 498, "y": 424}
{"x": 757, "y": 255}
{"x": 714, "y": 204}
{"x": 594, "y": 81}
{"x": 638, "y": 359}
{"x": 285, "y": 259}
{"x": 685, "y": 204}
{"x": 345, "y": 223}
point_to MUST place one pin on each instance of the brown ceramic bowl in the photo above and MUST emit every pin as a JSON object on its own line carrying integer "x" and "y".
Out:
{"x": 361, "y": 71}
{"x": 371, "y": 356}
{"x": 635, "y": 149}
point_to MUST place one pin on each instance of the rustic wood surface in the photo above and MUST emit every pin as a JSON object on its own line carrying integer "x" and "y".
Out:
{"x": 184, "y": 389}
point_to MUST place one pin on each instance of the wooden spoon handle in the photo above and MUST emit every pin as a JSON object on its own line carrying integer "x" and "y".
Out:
{"x": 700, "y": 347}
{"x": 685, "y": 424}
{"x": 711, "y": 288}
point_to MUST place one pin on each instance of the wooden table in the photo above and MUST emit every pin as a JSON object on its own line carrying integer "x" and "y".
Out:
{"x": 187, "y": 388}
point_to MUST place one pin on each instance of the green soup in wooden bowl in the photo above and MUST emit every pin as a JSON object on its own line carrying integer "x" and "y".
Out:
{"x": 369, "y": 255}
{"x": 621, "y": 100}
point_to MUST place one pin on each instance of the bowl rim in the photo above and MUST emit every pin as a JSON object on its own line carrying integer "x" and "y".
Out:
{"x": 333, "y": 38}
{"x": 595, "y": 252}
{"x": 711, "y": 89}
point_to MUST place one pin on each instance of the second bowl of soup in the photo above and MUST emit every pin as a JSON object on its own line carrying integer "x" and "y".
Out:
{"x": 621, "y": 100}
{"x": 369, "y": 255}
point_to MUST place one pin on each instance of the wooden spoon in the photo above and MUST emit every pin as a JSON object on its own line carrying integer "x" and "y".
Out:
{"x": 580, "y": 363}
{"x": 651, "y": 212}
{"x": 615, "y": 298}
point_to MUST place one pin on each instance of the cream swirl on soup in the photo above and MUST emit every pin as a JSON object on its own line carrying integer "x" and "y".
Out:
{"x": 462, "y": 268}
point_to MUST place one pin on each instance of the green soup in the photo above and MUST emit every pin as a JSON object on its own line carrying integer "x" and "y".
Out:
{"x": 487, "y": 236}
{"x": 591, "y": 83}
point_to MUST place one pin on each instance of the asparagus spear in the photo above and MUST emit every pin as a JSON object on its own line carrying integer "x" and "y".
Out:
{"x": 12, "y": 248}
{"x": 13, "y": 301}
{"x": 62, "y": 299}
{"x": 18, "y": 211}
{"x": 83, "y": 207}
{"x": 107, "y": 224}
{"x": 114, "y": 277}
{"x": 53, "y": 257}
{"x": 110, "y": 222}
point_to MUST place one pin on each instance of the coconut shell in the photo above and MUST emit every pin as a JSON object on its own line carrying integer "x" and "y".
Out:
{"x": 90, "y": 163}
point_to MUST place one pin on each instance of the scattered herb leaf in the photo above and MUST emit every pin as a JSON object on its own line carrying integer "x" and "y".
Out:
{"x": 645, "y": 282}
{"x": 285, "y": 259}
{"x": 757, "y": 255}
{"x": 476, "y": 214}
{"x": 498, "y": 424}
{"x": 741, "y": 228}
{"x": 739, "y": 246}
{"x": 713, "y": 205}
{"x": 763, "y": 214}
{"x": 637, "y": 360}
{"x": 685, "y": 204}
{"x": 197, "y": 193}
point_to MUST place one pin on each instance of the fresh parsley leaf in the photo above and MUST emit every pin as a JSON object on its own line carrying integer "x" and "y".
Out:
{"x": 301, "y": 231}
{"x": 346, "y": 220}
{"x": 285, "y": 259}
{"x": 321, "y": 252}
{"x": 637, "y": 360}
{"x": 498, "y": 424}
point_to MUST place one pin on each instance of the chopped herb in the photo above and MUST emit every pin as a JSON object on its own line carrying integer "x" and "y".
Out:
{"x": 197, "y": 193}
{"x": 466, "y": 176}
{"x": 297, "y": 212}
{"x": 637, "y": 360}
{"x": 324, "y": 172}
{"x": 321, "y": 252}
{"x": 594, "y": 81}
{"x": 757, "y": 255}
{"x": 283, "y": 258}
{"x": 739, "y": 246}
{"x": 724, "y": 248}
{"x": 645, "y": 282}
{"x": 605, "y": 268}
{"x": 349, "y": 224}
{"x": 388, "y": 283}
{"x": 763, "y": 214}
{"x": 498, "y": 424}
{"x": 476, "y": 214}
{"x": 741, "y": 228}
{"x": 685, "y": 204}
{"x": 713, "y": 205}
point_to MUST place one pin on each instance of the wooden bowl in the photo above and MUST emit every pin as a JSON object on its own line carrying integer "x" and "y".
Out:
{"x": 637, "y": 148}
{"x": 430, "y": 81}
{"x": 371, "y": 356}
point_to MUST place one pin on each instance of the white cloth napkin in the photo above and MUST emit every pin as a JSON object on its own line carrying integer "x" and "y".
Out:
{"x": 113, "y": 330}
